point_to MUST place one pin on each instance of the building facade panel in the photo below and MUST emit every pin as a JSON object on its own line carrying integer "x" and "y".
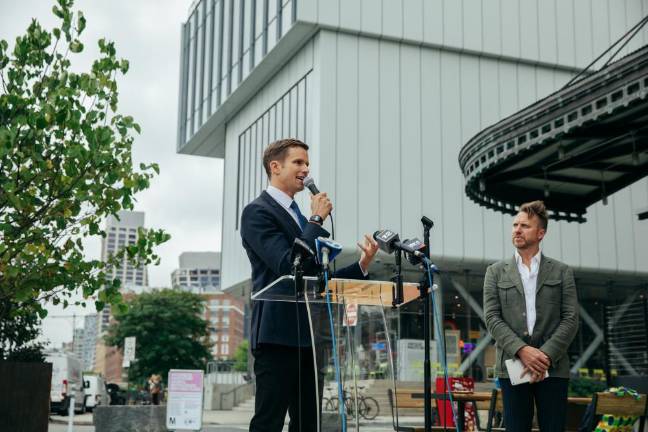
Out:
{"x": 525, "y": 30}
{"x": 346, "y": 138}
{"x": 279, "y": 110}
{"x": 473, "y": 219}
{"x": 368, "y": 134}
{"x": 640, "y": 228}
{"x": 463, "y": 238}
{"x": 432, "y": 145}
{"x": 456, "y": 235}
{"x": 411, "y": 171}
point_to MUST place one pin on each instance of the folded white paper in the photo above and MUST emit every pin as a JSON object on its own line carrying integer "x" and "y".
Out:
{"x": 515, "y": 369}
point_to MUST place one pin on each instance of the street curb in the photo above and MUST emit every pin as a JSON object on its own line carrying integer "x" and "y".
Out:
{"x": 75, "y": 423}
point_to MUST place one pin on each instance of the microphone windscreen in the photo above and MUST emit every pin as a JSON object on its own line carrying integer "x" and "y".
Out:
{"x": 385, "y": 240}
{"x": 310, "y": 184}
{"x": 334, "y": 248}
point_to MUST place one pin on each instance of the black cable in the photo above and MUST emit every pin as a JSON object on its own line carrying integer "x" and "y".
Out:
{"x": 299, "y": 407}
{"x": 639, "y": 26}
{"x": 635, "y": 29}
{"x": 332, "y": 237}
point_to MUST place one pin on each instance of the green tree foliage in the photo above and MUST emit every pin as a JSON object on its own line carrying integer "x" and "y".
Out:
{"x": 17, "y": 336}
{"x": 65, "y": 165}
{"x": 169, "y": 329}
{"x": 241, "y": 357}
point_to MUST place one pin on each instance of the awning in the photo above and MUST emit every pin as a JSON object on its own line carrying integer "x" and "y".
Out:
{"x": 570, "y": 149}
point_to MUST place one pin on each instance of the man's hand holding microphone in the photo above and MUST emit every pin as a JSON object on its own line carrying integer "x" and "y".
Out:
{"x": 321, "y": 208}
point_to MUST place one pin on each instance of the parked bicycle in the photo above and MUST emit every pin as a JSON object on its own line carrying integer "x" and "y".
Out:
{"x": 368, "y": 407}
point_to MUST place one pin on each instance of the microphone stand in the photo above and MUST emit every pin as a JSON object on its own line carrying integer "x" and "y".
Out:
{"x": 397, "y": 296}
{"x": 298, "y": 272}
{"x": 424, "y": 295}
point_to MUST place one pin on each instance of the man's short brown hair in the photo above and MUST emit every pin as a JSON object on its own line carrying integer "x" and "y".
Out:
{"x": 536, "y": 208}
{"x": 278, "y": 150}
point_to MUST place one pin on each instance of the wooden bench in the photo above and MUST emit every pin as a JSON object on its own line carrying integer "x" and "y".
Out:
{"x": 626, "y": 406}
{"x": 606, "y": 403}
{"x": 413, "y": 398}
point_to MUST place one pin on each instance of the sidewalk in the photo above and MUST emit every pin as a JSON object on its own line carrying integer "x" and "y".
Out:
{"x": 209, "y": 417}
{"x": 227, "y": 417}
{"x": 79, "y": 419}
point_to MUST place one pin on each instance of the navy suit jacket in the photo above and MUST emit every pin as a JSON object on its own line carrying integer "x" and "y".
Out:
{"x": 268, "y": 232}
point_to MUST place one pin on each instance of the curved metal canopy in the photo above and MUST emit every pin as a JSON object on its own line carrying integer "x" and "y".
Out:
{"x": 571, "y": 149}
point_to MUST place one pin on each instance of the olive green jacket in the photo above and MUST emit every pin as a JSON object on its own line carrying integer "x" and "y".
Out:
{"x": 556, "y": 313}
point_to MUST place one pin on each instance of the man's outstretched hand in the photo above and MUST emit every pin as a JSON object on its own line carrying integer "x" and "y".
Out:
{"x": 369, "y": 249}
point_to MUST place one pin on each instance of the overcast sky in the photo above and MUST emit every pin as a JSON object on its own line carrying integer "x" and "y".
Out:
{"x": 186, "y": 198}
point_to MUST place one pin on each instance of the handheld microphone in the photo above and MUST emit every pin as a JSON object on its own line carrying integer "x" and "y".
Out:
{"x": 327, "y": 250}
{"x": 310, "y": 184}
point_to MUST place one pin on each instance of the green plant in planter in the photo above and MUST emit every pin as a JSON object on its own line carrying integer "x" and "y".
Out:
{"x": 585, "y": 387}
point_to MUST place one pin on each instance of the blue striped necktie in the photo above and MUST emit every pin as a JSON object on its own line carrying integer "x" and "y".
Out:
{"x": 300, "y": 217}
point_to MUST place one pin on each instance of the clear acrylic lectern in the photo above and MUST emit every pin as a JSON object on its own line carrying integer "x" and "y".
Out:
{"x": 352, "y": 320}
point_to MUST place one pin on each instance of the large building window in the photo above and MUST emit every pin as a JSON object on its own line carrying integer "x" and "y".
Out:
{"x": 286, "y": 118}
{"x": 222, "y": 42}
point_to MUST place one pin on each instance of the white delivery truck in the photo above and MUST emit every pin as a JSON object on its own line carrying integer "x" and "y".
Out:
{"x": 67, "y": 382}
{"x": 95, "y": 391}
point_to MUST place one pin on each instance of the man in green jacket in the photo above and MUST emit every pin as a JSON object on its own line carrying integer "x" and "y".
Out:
{"x": 531, "y": 310}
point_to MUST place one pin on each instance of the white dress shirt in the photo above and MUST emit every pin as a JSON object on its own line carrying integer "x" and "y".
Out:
{"x": 284, "y": 200}
{"x": 529, "y": 282}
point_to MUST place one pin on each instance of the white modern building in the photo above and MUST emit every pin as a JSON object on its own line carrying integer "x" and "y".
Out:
{"x": 199, "y": 272}
{"x": 386, "y": 93}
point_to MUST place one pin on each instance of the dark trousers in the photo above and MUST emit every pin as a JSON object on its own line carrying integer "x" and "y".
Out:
{"x": 550, "y": 396}
{"x": 285, "y": 381}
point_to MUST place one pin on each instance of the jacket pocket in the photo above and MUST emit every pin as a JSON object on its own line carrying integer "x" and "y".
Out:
{"x": 505, "y": 291}
{"x": 552, "y": 292}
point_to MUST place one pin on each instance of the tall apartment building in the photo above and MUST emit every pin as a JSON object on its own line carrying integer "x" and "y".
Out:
{"x": 199, "y": 272}
{"x": 226, "y": 316}
{"x": 121, "y": 232}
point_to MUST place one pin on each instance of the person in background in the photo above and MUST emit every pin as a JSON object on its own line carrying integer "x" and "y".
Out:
{"x": 531, "y": 310}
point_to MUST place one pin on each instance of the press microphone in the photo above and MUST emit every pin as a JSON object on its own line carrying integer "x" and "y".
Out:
{"x": 386, "y": 240}
{"x": 310, "y": 184}
{"x": 427, "y": 222}
{"x": 299, "y": 251}
{"x": 327, "y": 250}
{"x": 414, "y": 250}
{"x": 389, "y": 241}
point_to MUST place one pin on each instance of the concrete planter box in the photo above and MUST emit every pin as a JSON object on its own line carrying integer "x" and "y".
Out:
{"x": 130, "y": 418}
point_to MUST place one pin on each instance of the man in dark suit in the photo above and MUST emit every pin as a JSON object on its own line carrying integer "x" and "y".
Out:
{"x": 531, "y": 310}
{"x": 283, "y": 361}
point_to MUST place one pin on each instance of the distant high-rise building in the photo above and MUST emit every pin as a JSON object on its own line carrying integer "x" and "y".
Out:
{"x": 199, "y": 272}
{"x": 225, "y": 314}
{"x": 77, "y": 342}
{"x": 89, "y": 341}
{"x": 120, "y": 233}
